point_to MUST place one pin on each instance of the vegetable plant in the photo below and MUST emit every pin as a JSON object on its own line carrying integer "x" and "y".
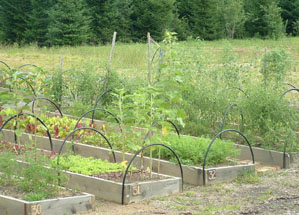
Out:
{"x": 191, "y": 151}
{"x": 87, "y": 165}
{"x": 35, "y": 181}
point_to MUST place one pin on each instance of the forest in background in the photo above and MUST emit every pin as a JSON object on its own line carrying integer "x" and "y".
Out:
{"x": 79, "y": 22}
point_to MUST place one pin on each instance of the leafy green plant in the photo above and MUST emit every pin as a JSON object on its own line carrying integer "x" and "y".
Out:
{"x": 274, "y": 68}
{"x": 39, "y": 182}
{"x": 8, "y": 168}
{"x": 34, "y": 180}
{"x": 87, "y": 166}
{"x": 267, "y": 116}
{"x": 170, "y": 37}
{"x": 54, "y": 87}
{"x": 191, "y": 151}
{"x": 123, "y": 107}
{"x": 18, "y": 84}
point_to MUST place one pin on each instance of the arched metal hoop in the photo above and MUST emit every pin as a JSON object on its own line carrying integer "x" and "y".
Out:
{"x": 5, "y": 64}
{"x": 101, "y": 109}
{"x": 31, "y": 115}
{"x": 154, "y": 56}
{"x": 49, "y": 100}
{"x": 289, "y": 90}
{"x": 285, "y": 145}
{"x": 23, "y": 79}
{"x": 22, "y": 66}
{"x": 84, "y": 128}
{"x": 137, "y": 153}
{"x": 155, "y": 124}
{"x": 225, "y": 115}
{"x": 97, "y": 101}
{"x": 160, "y": 63}
{"x": 291, "y": 85}
{"x": 212, "y": 141}
{"x": 236, "y": 88}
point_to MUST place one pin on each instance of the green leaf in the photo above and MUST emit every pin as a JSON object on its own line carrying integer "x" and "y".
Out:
{"x": 19, "y": 132}
{"x": 180, "y": 120}
{"x": 27, "y": 100}
{"x": 133, "y": 146}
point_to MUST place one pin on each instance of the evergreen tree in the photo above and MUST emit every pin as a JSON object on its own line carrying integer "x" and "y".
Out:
{"x": 96, "y": 8}
{"x": 116, "y": 17}
{"x": 203, "y": 17}
{"x": 182, "y": 20}
{"x": 233, "y": 17}
{"x": 273, "y": 20}
{"x": 290, "y": 14}
{"x": 14, "y": 20}
{"x": 38, "y": 21}
{"x": 254, "y": 24}
{"x": 296, "y": 28}
{"x": 154, "y": 16}
{"x": 184, "y": 13}
{"x": 69, "y": 23}
{"x": 259, "y": 13}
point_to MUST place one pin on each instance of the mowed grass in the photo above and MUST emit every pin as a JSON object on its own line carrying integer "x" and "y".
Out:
{"x": 132, "y": 60}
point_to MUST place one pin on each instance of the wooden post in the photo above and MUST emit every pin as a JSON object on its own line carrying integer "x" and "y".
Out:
{"x": 149, "y": 58}
{"x": 60, "y": 82}
{"x": 112, "y": 48}
{"x": 61, "y": 63}
{"x": 110, "y": 59}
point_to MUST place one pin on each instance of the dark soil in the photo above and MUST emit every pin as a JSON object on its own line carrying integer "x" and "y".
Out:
{"x": 132, "y": 176}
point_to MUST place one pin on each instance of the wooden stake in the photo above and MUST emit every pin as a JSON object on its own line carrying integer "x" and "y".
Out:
{"x": 149, "y": 58}
{"x": 60, "y": 81}
{"x": 61, "y": 63}
{"x": 110, "y": 59}
{"x": 112, "y": 48}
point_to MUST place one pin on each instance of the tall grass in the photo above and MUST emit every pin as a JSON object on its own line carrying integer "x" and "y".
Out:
{"x": 131, "y": 59}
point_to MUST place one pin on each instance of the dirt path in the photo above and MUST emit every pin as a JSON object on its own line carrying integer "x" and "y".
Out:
{"x": 272, "y": 192}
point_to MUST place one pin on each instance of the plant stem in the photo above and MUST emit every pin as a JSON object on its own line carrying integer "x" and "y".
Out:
{"x": 34, "y": 143}
{"x": 159, "y": 157}
{"x": 150, "y": 138}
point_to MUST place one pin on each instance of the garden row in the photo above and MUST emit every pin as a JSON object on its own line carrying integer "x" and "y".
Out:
{"x": 150, "y": 158}
{"x": 193, "y": 175}
{"x": 131, "y": 192}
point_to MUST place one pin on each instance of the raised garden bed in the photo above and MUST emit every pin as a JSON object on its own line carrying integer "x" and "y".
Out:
{"x": 192, "y": 174}
{"x": 269, "y": 157}
{"x": 263, "y": 156}
{"x": 102, "y": 178}
{"x": 65, "y": 205}
{"x": 133, "y": 192}
{"x": 113, "y": 190}
{"x": 34, "y": 189}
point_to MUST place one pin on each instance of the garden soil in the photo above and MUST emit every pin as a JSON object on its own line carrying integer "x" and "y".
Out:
{"x": 272, "y": 191}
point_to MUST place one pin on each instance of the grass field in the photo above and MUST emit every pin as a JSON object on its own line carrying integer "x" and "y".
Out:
{"x": 131, "y": 59}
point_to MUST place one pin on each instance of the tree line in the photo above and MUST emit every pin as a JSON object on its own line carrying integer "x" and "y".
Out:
{"x": 76, "y": 22}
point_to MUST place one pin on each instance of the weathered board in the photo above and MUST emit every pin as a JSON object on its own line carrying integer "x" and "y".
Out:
{"x": 133, "y": 192}
{"x": 67, "y": 205}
